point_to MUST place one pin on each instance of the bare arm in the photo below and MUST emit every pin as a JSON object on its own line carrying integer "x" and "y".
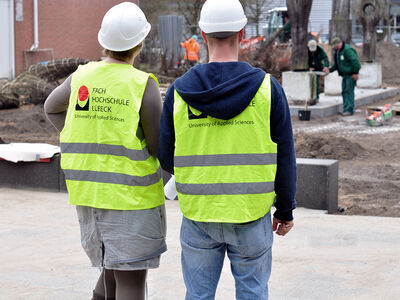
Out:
{"x": 56, "y": 104}
{"x": 150, "y": 114}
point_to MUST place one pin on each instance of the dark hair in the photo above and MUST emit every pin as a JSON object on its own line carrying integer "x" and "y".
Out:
{"x": 123, "y": 55}
{"x": 232, "y": 38}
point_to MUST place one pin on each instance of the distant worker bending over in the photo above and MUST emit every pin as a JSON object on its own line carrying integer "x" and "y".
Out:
{"x": 192, "y": 48}
{"x": 226, "y": 133}
{"x": 317, "y": 61}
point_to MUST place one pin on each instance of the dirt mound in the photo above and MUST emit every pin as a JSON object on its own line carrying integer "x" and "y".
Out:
{"x": 27, "y": 124}
{"x": 370, "y": 196}
{"x": 326, "y": 147}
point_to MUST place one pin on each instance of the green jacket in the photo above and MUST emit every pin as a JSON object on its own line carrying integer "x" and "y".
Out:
{"x": 318, "y": 59}
{"x": 346, "y": 61}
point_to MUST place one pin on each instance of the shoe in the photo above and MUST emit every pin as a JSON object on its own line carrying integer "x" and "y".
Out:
{"x": 346, "y": 114}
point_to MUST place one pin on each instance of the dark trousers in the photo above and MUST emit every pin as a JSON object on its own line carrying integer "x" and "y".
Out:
{"x": 318, "y": 85}
{"x": 348, "y": 85}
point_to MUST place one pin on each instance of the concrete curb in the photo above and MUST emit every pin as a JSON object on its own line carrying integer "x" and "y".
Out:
{"x": 317, "y": 185}
{"x": 330, "y": 257}
{"x": 332, "y": 105}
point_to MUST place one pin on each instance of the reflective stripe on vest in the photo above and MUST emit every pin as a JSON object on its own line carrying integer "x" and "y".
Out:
{"x": 103, "y": 153}
{"x": 225, "y": 160}
{"x": 117, "y": 150}
{"x": 226, "y": 188}
{"x": 225, "y": 169}
{"x": 192, "y": 55}
{"x": 108, "y": 177}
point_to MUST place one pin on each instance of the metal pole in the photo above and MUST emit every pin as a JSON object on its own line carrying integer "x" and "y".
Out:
{"x": 12, "y": 40}
{"x": 35, "y": 26}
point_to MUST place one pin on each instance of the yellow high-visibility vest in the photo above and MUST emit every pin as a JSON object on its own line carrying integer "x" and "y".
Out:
{"x": 103, "y": 150}
{"x": 225, "y": 169}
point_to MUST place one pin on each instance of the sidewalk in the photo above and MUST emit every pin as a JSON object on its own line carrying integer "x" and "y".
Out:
{"x": 332, "y": 105}
{"x": 323, "y": 257}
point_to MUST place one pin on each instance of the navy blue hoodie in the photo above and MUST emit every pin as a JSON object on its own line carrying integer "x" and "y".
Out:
{"x": 224, "y": 90}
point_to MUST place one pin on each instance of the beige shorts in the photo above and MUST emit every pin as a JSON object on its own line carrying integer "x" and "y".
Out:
{"x": 123, "y": 240}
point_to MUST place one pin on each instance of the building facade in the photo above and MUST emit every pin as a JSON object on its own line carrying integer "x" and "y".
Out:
{"x": 321, "y": 13}
{"x": 32, "y": 31}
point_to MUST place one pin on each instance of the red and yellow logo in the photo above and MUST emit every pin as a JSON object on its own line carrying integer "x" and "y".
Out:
{"x": 82, "y": 102}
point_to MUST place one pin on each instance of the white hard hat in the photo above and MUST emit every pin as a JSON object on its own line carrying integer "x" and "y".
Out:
{"x": 312, "y": 45}
{"x": 222, "y": 16}
{"x": 124, "y": 26}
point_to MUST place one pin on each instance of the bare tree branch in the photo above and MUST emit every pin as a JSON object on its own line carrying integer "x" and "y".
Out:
{"x": 191, "y": 12}
{"x": 255, "y": 10}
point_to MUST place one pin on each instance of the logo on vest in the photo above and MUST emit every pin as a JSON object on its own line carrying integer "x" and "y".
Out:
{"x": 195, "y": 114}
{"x": 82, "y": 103}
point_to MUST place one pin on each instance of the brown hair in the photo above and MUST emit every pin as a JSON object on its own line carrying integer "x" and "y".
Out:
{"x": 123, "y": 55}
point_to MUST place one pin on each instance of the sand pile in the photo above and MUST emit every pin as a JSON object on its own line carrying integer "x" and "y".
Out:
{"x": 326, "y": 147}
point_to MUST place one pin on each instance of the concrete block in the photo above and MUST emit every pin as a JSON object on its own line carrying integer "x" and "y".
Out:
{"x": 299, "y": 86}
{"x": 317, "y": 184}
{"x": 36, "y": 175}
{"x": 39, "y": 175}
{"x": 370, "y": 75}
{"x": 333, "y": 84}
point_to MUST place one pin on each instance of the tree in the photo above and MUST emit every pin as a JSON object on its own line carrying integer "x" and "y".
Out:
{"x": 255, "y": 11}
{"x": 369, "y": 14}
{"x": 340, "y": 24}
{"x": 153, "y": 9}
{"x": 299, "y": 12}
{"x": 388, "y": 17}
{"x": 191, "y": 12}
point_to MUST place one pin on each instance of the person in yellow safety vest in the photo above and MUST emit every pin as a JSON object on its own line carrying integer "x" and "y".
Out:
{"x": 192, "y": 48}
{"x": 109, "y": 113}
{"x": 226, "y": 134}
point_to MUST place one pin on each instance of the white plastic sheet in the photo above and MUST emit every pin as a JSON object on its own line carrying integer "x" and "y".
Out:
{"x": 170, "y": 189}
{"x": 16, "y": 152}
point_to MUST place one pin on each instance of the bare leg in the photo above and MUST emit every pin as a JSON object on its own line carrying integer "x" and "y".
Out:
{"x": 130, "y": 284}
{"x": 106, "y": 278}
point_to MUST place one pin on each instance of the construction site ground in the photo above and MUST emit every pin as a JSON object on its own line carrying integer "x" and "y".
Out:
{"x": 351, "y": 255}
{"x": 324, "y": 257}
{"x": 369, "y": 157}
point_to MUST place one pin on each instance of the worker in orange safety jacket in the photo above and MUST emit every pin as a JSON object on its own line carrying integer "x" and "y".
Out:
{"x": 192, "y": 48}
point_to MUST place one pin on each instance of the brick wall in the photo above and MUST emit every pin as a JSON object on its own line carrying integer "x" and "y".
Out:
{"x": 68, "y": 27}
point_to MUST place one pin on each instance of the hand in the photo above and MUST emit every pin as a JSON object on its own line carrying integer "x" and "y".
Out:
{"x": 281, "y": 227}
{"x": 326, "y": 70}
{"x": 355, "y": 77}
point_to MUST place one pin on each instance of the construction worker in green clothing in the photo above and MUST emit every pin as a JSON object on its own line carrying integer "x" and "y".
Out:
{"x": 347, "y": 64}
{"x": 317, "y": 61}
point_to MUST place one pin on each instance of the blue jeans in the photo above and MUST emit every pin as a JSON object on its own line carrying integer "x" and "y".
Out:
{"x": 248, "y": 247}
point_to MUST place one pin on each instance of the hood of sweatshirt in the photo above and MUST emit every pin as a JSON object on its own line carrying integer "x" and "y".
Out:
{"x": 221, "y": 90}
